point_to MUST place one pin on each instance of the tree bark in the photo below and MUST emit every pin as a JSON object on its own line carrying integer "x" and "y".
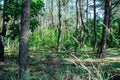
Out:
{"x": 52, "y": 8}
{"x": 104, "y": 32}
{"x": 95, "y": 28}
{"x": 23, "y": 39}
{"x": 110, "y": 20}
{"x": 81, "y": 14}
{"x": 87, "y": 15}
{"x": 110, "y": 15}
{"x": 76, "y": 44}
{"x": 83, "y": 25}
{"x": 59, "y": 27}
{"x": 1, "y": 48}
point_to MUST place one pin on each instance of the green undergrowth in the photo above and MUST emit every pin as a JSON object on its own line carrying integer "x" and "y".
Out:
{"x": 65, "y": 65}
{"x": 70, "y": 69}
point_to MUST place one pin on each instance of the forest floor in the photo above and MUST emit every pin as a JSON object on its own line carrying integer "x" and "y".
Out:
{"x": 47, "y": 65}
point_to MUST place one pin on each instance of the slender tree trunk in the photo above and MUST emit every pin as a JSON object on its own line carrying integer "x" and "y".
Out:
{"x": 1, "y": 48}
{"x": 104, "y": 32}
{"x": 23, "y": 39}
{"x": 81, "y": 14}
{"x": 95, "y": 28}
{"x": 59, "y": 27}
{"x": 119, "y": 30}
{"x": 83, "y": 25}
{"x": 118, "y": 26}
{"x": 52, "y": 12}
{"x": 65, "y": 20}
{"x": 4, "y": 28}
{"x": 87, "y": 15}
{"x": 110, "y": 15}
{"x": 110, "y": 19}
{"x": 80, "y": 25}
{"x": 76, "y": 44}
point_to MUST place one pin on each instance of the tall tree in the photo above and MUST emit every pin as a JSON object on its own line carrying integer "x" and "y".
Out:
{"x": 106, "y": 23}
{"x": 87, "y": 14}
{"x": 95, "y": 28}
{"x": 23, "y": 39}
{"x": 59, "y": 27}
{"x": 110, "y": 19}
{"x": 76, "y": 44}
{"x": 83, "y": 25}
{"x": 4, "y": 28}
{"x": 52, "y": 15}
{"x": 110, "y": 15}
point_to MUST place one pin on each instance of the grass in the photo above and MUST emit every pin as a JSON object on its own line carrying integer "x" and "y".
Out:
{"x": 64, "y": 66}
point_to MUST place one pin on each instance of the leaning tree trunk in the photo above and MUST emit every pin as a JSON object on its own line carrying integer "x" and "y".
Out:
{"x": 4, "y": 28}
{"x": 59, "y": 27}
{"x": 95, "y": 28}
{"x": 23, "y": 37}
{"x": 102, "y": 50}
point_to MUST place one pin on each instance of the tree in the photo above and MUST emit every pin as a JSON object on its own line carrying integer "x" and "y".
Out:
{"x": 87, "y": 14}
{"x": 1, "y": 48}
{"x": 23, "y": 39}
{"x": 76, "y": 44}
{"x": 15, "y": 14}
{"x": 59, "y": 27}
{"x": 95, "y": 28}
{"x": 106, "y": 23}
{"x": 110, "y": 19}
{"x": 83, "y": 25}
{"x": 52, "y": 15}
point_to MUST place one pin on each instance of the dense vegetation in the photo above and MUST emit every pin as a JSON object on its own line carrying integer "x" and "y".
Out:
{"x": 60, "y": 40}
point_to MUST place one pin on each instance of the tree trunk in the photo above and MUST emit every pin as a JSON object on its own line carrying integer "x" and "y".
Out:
{"x": 119, "y": 30}
{"x": 59, "y": 27}
{"x": 1, "y": 48}
{"x": 81, "y": 14}
{"x": 118, "y": 26}
{"x": 23, "y": 39}
{"x": 95, "y": 28}
{"x": 76, "y": 44}
{"x": 110, "y": 15}
{"x": 65, "y": 17}
{"x": 52, "y": 13}
{"x": 104, "y": 32}
{"x": 83, "y": 25}
{"x": 110, "y": 19}
{"x": 87, "y": 15}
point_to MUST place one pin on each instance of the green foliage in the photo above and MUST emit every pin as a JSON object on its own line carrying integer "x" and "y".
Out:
{"x": 113, "y": 39}
{"x": 36, "y": 6}
{"x": 45, "y": 39}
{"x": 49, "y": 38}
{"x": 67, "y": 41}
{"x": 14, "y": 11}
{"x": 115, "y": 65}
